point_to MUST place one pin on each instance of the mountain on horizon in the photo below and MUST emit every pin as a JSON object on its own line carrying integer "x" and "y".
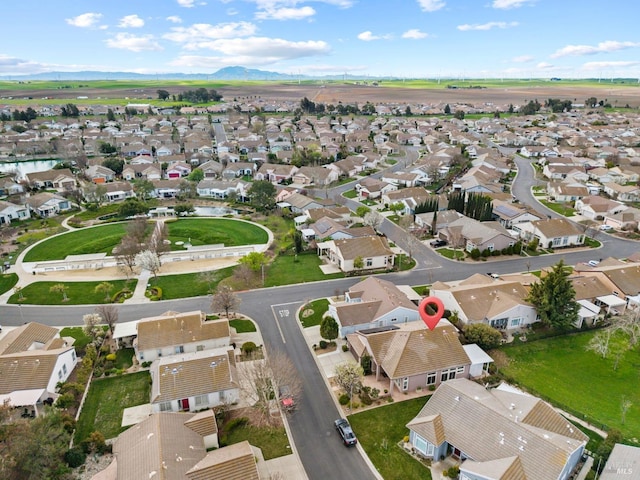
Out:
{"x": 226, "y": 73}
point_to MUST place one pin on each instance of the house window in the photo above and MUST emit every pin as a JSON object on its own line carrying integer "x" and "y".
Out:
{"x": 141, "y": 355}
{"x": 557, "y": 241}
{"x": 64, "y": 368}
{"x": 405, "y": 384}
{"x": 202, "y": 400}
{"x": 515, "y": 322}
{"x": 490, "y": 247}
{"x": 369, "y": 262}
{"x": 431, "y": 378}
{"x": 159, "y": 352}
{"x": 420, "y": 445}
{"x": 73, "y": 355}
{"x": 59, "y": 374}
{"x": 180, "y": 349}
{"x": 199, "y": 348}
{"x": 448, "y": 374}
{"x": 460, "y": 370}
{"x": 394, "y": 320}
{"x": 165, "y": 406}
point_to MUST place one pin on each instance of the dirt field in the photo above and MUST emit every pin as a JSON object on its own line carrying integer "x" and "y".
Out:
{"x": 616, "y": 95}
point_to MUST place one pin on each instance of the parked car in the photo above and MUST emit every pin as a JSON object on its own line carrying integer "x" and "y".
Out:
{"x": 438, "y": 243}
{"x": 493, "y": 275}
{"x": 606, "y": 228}
{"x": 593, "y": 263}
{"x": 286, "y": 399}
{"x": 345, "y": 431}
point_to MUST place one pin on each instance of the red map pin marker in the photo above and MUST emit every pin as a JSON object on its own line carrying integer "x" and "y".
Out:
{"x": 431, "y": 320}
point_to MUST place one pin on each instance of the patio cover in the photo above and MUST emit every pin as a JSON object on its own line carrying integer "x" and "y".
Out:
{"x": 611, "y": 301}
{"x": 126, "y": 329}
{"x": 23, "y": 398}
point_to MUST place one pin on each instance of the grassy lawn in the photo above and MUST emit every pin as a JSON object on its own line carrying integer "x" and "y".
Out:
{"x": 590, "y": 242}
{"x": 107, "y": 399}
{"x": 350, "y": 194}
{"x": 404, "y": 262}
{"x": 421, "y": 289}
{"x": 7, "y": 282}
{"x": 77, "y": 333}
{"x": 562, "y": 371}
{"x": 289, "y": 269}
{"x": 100, "y": 239}
{"x": 243, "y": 326}
{"x": 559, "y": 208}
{"x": 450, "y": 253}
{"x": 189, "y": 284}
{"x": 78, "y": 293}
{"x": 273, "y": 441}
{"x": 124, "y": 358}
{"x": 380, "y": 439}
{"x": 319, "y": 307}
{"x": 210, "y": 231}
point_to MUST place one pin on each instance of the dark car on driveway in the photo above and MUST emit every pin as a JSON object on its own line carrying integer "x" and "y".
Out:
{"x": 438, "y": 243}
{"x": 345, "y": 431}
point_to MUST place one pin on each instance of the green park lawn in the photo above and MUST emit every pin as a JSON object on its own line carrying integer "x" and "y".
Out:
{"x": 77, "y": 333}
{"x": 562, "y": 371}
{"x": 290, "y": 269}
{"x": 189, "y": 284}
{"x": 106, "y": 401}
{"x": 380, "y": 438}
{"x": 78, "y": 293}
{"x": 104, "y": 238}
{"x": 559, "y": 208}
{"x": 242, "y": 325}
{"x": 273, "y": 441}
{"x": 318, "y": 307}
{"x": 7, "y": 282}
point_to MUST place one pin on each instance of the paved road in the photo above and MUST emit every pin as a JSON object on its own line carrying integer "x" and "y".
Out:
{"x": 321, "y": 452}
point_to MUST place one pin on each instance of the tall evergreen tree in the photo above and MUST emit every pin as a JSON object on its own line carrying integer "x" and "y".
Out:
{"x": 555, "y": 299}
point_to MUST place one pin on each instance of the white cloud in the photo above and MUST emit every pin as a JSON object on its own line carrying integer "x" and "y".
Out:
{"x": 368, "y": 36}
{"x": 131, "y": 21}
{"x": 509, "y": 4}
{"x": 545, "y": 66}
{"x": 522, "y": 59}
{"x": 604, "y": 65}
{"x": 602, "y": 47}
{"x": 414, "y": 34}
{"x": 174, "y": 19}
{"x": 486, "y": 26}
{"x": 252, "y": 51}
{"x": 431, "y": 5}
{"x": 127, "y": 41}
{"x": 286, "y": 13}
{"x": 278, "y": 4}
{"x": 186, "y": 3}
{"x": 198, "y": 33}
{"x": 85, "y": 20}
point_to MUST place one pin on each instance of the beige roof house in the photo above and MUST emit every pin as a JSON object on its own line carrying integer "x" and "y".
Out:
{"x": 373, "y": 250}
{"x": 499, "y": 433}
{"x": 173, "y": 332}
{"x": 234, "y": 462}
{"x": 411, "y": 355}
{"x": 31, "y": 336}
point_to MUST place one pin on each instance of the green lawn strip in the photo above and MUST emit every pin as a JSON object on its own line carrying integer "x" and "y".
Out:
{"x": 272, "y": 441}
{"x": 243, "y": 326}
{"x": 562, "y": 371}
{"x": 404, "y": 262}
{"x": 211, "y": 231}
{"x": 590, "y": 242}
{"x": 319, "y": 308}
{"x": 188, "y": 284}
{"x": 449, "y": 253}
{"x": 100, "y": 239}
{"x": 102, "y": 211}
{"x": 559, "y": 208}
{"x": 350, "y": 194}
{"x": 380, "y": 429}
{"x": 124, "y": 358}
{"x": 287, "y": 269}
{"x": 107, "y": 399}
{"x": 7, "y": 282}
{"x": 421, "y": 289}
{"x": 77, "y": 333}
{"x": 78, "y": 293}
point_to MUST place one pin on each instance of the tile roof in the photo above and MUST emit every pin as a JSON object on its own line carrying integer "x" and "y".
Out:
{"x": 234, "y": 462}
{"x": 489, "y": 425}
{"x": 556, "y": 227}
{"x": 172, "y": 328}
{"x": 159, "y": 447}
{"x": 203, "y": 423}
{"x": 625, "y": 277}
{"x": 365, "y": 247}
{"x": 29, "y": 370}
{"x": 28, "y": 336}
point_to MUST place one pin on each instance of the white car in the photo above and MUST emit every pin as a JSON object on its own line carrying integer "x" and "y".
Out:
{"x": 606, "y": 228}
{"x": 593, "y": 263}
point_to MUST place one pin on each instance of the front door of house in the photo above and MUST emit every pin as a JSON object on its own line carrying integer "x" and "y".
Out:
{"x": 184, "y": 403}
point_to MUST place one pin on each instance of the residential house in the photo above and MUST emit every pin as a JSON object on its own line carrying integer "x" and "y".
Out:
{"x": 299, "y": 203}
{"x": 275, "y": 173}
{"x": 221, "y": 189}
{"x": 327, "y": 228}
{"x": 166, "y": 188}
{"x": 596, "y": 208}
{"x": 148, "y": 171}
{"x": 350, "y": 166}
{"x": 473, "y": 234}
{"x": 233, "y": 462}
{"x": 409, "y": 197}
{"x": 508, "y": 214}
{"x": 565, "y": 192}
{"x": 47, "y": 204}
{"x": 627, "y": 219}
{"x": 174, "y": 333}
{"x": 443, "y": 219}
{"x": 100, "y": 174}
{"x": 33, "y": 360}
{"x": 482, "y": 299}
{"x": 373, "y": 188}
{"x": 374, "y": 303}
{"x": 194, "y": 381}
{"x": 9, "y": 187}
{"x": 402, "y": 179}
{"x": 624, "y": 282}
{"x": 119, "y": 191}
{"x": 62, "y": 180}
{"x": 211, "y": 169}
{"x": 372, "y": 251}
{"x": 496, "y": 433}
{"x": 623, "y": 193}
{"x": 318, "y": 176}
{"x": 412, "y": 356}
{"x": 178, "y": 170}
{"x": 10, "y": 211}
{"x": 623, "y": 462}
{"x": 551, "y": 233}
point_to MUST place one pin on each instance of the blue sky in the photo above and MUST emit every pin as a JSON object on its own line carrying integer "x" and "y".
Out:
{"x": 402, "y": 38}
